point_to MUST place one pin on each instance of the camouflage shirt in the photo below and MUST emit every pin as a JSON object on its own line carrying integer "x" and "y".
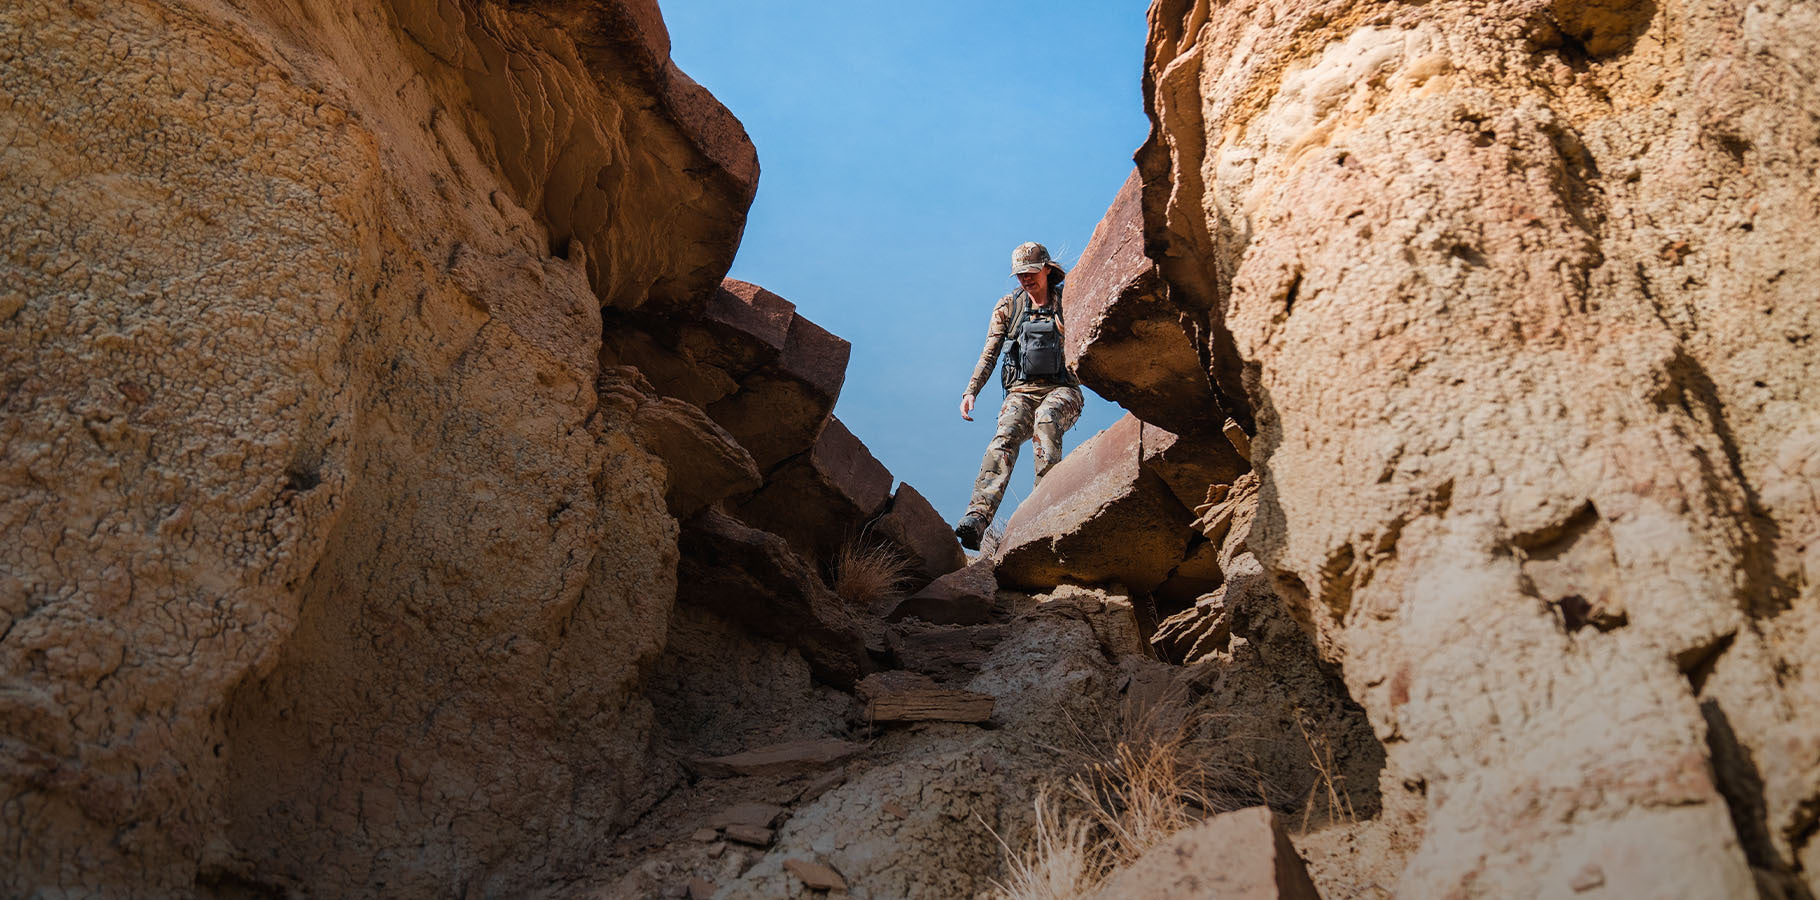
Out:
{"x": 996, "y": 333}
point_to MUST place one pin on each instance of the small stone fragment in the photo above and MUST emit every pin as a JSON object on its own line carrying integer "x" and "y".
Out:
{"x": 1590, "y": 876}
{"x": 700, "y": 888}
{"x": 762, "y": 815}
{"x": 819, "y": 785}
{"x": 816, "y": 875}
{"x": 705, "y": 835}
{"x": 895, "y": 808}
{"x": 750, "y": 834}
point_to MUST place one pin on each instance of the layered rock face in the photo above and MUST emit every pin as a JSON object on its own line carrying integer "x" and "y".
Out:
{"x": 1519, "y": 296}
{"x": 316, "y": 528}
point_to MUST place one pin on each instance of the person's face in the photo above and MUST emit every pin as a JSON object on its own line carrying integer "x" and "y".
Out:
{"x": 1034, "y": 282}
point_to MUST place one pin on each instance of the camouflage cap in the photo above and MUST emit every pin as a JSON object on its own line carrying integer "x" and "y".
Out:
{"x": 1031, "y": 256}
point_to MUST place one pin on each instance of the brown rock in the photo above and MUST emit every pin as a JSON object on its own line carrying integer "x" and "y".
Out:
{"x": 1189, "y": 465}
{"x": 762, "y": 815}
{"x": 912, "y": 525}
{"x": 822, "y": 498}
{"x": 1197, "y": 575}
{"x": 702, "y": 462}
{"x": 962, "y": 597}
{"x": 780, "y": 409}
{"x": 701, "y": 888}
{"x": 1098, "y": 516}
{"x": 819, "y": 785}
{"x": 750, "y": 834}
{"x": 950, "y": 654}
{"x": 1239, "y": 855}
{"x": 753, "y": 578}
{"x": 315, "y": 532}
{"x": 705, "y": 835}
{"x": 929, "y": 704}
{"x": 791, "y": 758}
{"x": 1195, "y": 632}
{"x": 1126, "y": 339}
{"x": 816, "y": 875}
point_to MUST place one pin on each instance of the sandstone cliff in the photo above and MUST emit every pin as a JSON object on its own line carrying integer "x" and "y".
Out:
{"x": 1519, "y": 298}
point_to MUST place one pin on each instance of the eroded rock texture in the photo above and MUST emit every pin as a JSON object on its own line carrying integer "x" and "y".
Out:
{"x": 1520, "y": 294}
{"x": 316, "y": 530}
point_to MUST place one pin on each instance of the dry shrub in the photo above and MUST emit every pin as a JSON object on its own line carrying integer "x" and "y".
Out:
{"x": 867, "y": 574}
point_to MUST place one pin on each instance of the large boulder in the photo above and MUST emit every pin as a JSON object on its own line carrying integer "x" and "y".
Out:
{"x": 315, "y": 525}
{"x": 1536, "y": 405}
{"x": 1192, "y": 463}
{"x": 1126, "y": 339}
{"x": 1098, "y": 517}
{"x": 823, "y": 498}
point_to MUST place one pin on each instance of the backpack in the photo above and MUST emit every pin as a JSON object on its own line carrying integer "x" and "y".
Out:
{"x": 1035, "y": 342}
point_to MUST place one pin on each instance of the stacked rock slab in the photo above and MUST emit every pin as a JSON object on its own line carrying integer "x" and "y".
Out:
{"x": 1521, "y": 293}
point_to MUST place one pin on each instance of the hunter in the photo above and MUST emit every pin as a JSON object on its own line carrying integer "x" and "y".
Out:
{"x": 1042, "y": 398}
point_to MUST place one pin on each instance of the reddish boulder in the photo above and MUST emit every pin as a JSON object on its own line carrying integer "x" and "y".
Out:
{"x": 1099, "y": 516}
{"x": 1126, "y": 339}
{"x": 779, "y": 410}
{"x": 1243, "y": 855}
{"x": 913, "y": 526}
{"x": 822, "y": 498}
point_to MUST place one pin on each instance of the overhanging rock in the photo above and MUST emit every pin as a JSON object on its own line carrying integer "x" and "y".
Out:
{"x": 824, "y": 497}
{"x": 1098, "y": 517}
{"x": 1126, "y": 339}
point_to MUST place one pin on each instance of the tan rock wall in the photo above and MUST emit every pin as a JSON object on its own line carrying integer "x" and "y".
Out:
{"x": 324, "y": 566}
{"x": 1515, "y": 291}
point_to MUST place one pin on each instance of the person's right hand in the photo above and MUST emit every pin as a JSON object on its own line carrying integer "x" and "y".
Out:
{"x": 967, "y": 407}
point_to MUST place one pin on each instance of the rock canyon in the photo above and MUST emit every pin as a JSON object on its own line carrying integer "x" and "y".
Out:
{"x": 400, "y": 501}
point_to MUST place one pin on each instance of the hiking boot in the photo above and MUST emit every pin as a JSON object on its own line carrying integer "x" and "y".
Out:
{"x": 969, "y": 529}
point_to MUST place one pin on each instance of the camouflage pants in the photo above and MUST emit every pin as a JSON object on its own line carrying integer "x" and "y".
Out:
{"x": 1039, "y": 411}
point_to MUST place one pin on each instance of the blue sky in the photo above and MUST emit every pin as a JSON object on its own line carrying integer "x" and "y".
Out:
{"x": 905, "y": 149}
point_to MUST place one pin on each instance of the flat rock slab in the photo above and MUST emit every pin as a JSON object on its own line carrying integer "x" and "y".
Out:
{"x": 1190, "y": 464}
{"x": 961, "y": 597}
{"x": 1098, "y": 517}
{"x": 816, "y": 875}
{"x": 750, "y": 834}
{"x": 931, "y": 705}
{"x": 947, "y": 653}
{"x": 792, "y": 758}
{"x": 762, "y": 815}
{"x": 1127, "y": 341}
{"x": 1243, "y": 855}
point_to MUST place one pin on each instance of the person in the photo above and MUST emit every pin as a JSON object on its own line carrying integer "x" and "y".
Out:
{"x": 1042, "y": 397}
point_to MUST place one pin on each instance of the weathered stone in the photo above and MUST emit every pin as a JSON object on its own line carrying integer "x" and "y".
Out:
{"x": 1195, "y": 632}
{"x": 701, "y": 889}
{"x": 762, "y": 815}
{"x": 912, "y": 525}
{"x": 1196, "y": 576}
{"x": 792, "y": 758}
{"x": 702, "y": 462}
{"x": 1190, "y": 465}
{"x": 1126, "y": 339}
{"x": 927, "y": 704}
{"x": 315, "y": 533}
{"x": 1099, "y": 517}
{"x": 1243, "y": 855}
{"x": 1530, "y": 359}
{"x": 752, "y": 835}
{"x": 949, "y": 654}
{"x": 821, "y": 499}
{"x": 816, "y": 875}
{"x": 753, "y": 578}
{"x": 961, "y": 597}
{"x": 780, "y": 409}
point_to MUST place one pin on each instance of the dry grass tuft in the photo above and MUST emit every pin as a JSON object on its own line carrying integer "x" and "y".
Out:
{"x": 1061, "y": 861}
{"x": 867, "y": 574}
{"x": 1144, "y": 781}
{"x": 1329, "y": 783}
